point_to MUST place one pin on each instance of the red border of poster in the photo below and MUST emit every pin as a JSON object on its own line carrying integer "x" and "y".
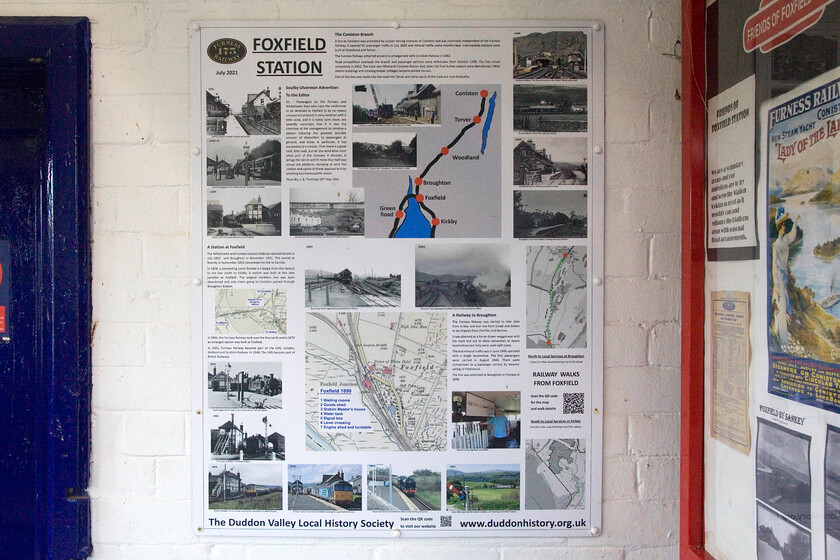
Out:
{"x": 693, "y": 272}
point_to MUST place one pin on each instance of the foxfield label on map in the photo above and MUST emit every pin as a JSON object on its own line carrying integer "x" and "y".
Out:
{"x": 398, "y": 253}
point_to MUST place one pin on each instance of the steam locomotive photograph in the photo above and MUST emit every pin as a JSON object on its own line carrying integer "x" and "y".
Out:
{"x": 397, "y": 488}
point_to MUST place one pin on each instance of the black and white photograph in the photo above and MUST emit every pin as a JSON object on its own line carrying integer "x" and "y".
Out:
{"x": 243, "y": 162}
{"x": 550, "y": 161}
{"x": 545, "y": 108}
{"x": 326, "y": 488}
{"x": 462, "y": 275}
{"x": 556, "y": 55}
{"x": 549, "y": 214}
{"x": 783, "y": 471}
{"x": 326, "y": 211}
{"x": 486, "y": 420}
{"x": 248, "y": 113}
{"x": 779, "y": 539}
{"x": 832, "y": 491}
{"x": 244, "y": 212}
{"x": 244, "y": 385}
{"x": 348, "y": 281}
{"x": 246, "y": 436}
{"x": 245, "y": 486}
{"x": 385, "y": 150}
{"x": 396, "y": 104}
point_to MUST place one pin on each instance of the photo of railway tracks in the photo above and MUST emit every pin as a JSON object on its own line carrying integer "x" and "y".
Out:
{"x": 245, "y": 486}
{"x": 556, "y": 55}
{"x": 462, "y": 275}
{"x": 392, "y": 488}
{"x": 347, "y": 289}
{"x": 550, "y": 108}
{"x": 236, "y": 113}
{"x": 325, "y": 487}
{"x": 548, "y": 161}
{"x": 550, "y": 214}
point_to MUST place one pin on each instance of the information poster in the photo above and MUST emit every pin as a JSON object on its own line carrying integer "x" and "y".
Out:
{"x": 730, "y": 365}
{"x": 397, "y": 238}
{"x": 803, "y": 231}
{"x": 731, "y": 173}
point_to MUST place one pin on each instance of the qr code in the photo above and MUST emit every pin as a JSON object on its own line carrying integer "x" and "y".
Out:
{"x": 446, "y": 521}
{"x": 572, "y": 403}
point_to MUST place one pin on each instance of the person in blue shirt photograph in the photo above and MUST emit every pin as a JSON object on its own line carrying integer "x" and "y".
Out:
{"x": 499, "y": 429}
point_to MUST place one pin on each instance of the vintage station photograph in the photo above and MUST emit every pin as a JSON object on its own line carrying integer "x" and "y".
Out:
{"x": 398, "y": 488}
{"x": 555, "y": 55}
{"x": 832, "y": 492}
{"x": 245, "y": 436}
{"x": 245, "y": 486}
{"x": 550, "y": 214}
{"x": 550, "y": 108}
{"x": 482, "y": 488}
{"x": 366, "y": 287}
{"x": 462, "y": 275}
{"x": 325, "y": 487}
{"x": 779, "y": 539}
{"x": 396, "y": 104}
{"x": 243, "y": 162}
{"x": 236, "y": 113}
{"x": 244, "y": 385}
{"x": 326, "y": 212}
{"x": 550, "y": 161}
{"x": 783, "y": 471}
{"x": 244, "y": 212}
{"x": 385, "y": 150}
{"x": 486, "y": 420}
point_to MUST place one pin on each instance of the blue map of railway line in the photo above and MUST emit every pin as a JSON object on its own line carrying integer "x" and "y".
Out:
{"x": 414, "y": 218}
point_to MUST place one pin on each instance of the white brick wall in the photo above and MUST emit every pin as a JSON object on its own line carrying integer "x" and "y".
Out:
{"x": 140, "y": 480}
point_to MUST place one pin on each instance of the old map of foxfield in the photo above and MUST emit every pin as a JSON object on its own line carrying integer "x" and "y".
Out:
{"x": 395, "y": 365}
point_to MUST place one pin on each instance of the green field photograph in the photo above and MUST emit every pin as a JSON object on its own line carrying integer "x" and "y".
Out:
{"x": 482, "y": 488}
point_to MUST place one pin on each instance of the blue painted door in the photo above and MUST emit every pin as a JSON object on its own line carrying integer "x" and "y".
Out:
{"x": 22, "y": 442}
{"x": 45, "y": 272}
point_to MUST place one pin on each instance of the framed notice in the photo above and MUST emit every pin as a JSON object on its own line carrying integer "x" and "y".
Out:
{"x": 398, "y": 236}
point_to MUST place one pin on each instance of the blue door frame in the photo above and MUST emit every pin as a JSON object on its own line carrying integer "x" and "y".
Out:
{"x": 58, "y": 270}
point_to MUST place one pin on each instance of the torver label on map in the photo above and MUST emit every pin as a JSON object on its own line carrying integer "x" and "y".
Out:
{"x": 397, "y": 247}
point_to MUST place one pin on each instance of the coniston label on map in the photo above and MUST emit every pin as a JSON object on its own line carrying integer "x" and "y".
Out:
{"x": 397, "y": 240}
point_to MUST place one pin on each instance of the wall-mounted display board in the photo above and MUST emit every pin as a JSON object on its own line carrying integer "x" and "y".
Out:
{"x": 764, "y": 484}
{"x": 397, "y": 235}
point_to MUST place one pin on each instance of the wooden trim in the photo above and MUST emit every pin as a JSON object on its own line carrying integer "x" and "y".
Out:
{"x": 63, "y": 43}
{"x": 693, "y": 274}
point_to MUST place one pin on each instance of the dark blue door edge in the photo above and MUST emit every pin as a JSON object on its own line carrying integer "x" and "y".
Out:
{"x": 65, "y": 283}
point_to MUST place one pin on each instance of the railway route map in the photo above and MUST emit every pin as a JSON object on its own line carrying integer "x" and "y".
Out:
{"x": 555, "y": 474}
{"x": 456, "y": 159}
{"x": 250, "y": 311}
{"x": 391, "y": 367}
{"x": 556, "y": 297}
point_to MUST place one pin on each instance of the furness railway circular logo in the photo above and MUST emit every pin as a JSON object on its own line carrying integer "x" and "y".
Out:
{"x": 226, "y": 51}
